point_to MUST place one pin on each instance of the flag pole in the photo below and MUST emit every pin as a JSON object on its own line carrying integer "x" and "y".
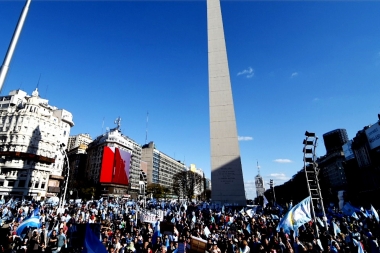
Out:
{"x": 7, "y": 60}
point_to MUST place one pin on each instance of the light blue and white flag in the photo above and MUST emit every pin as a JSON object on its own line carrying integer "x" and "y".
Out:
{"x": 359, "y": 245}
{"x": 375, "y": 214}
{"x": 320, "y": 222}
{"x": 249, "y": 212}
{"x": 296, "y": 216}
{"x": 265, "y": 201}
{"x": 336, "y": 229}
{"x": 249, "y": 228}
{"x": 194, "y": 219}
{"x": 33, "y": 222}
{"x": 206, "y": 231}
{"x": 355, "y": 216}
{"x": 9, "y": 203}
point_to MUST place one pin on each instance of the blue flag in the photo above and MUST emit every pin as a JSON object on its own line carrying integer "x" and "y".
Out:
{"x": 33, "y": 222}
{"x": 249, "y": 228}
{"x": 296, "y": 217}
{"x": 348, "y": 209}
{"x": 92, "y": 244}
{"x": 156, "y": 232}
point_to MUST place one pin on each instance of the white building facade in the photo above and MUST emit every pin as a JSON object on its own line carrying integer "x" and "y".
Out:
{"x": 31, "y": 136}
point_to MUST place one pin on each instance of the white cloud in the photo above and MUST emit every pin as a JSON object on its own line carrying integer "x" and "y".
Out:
{"x": 294, "y": 74}
{"x": 247, "y": 72}
{"x": 245, "y": 138}
{"x": 279, "y": 176}
{"x": 282, "y": 160}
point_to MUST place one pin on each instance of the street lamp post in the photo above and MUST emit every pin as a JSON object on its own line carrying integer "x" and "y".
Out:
{"x": 63, "y": 198}
{"x": 271, "y": 185}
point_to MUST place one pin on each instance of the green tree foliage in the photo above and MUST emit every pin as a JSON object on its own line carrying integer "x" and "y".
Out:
{"x": 187, "y": 183}
{"x": 157, "y": 190}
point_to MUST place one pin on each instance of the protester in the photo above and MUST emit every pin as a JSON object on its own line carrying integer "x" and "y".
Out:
{"x": 125, "y": 226}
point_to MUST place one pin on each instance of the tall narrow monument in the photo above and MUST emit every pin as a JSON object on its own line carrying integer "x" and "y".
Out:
{"x": 226, "y": 170}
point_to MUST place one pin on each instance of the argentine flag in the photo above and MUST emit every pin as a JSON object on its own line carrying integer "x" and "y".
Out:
{"x": 33, "y": 222}
{"x": 296, "y": 217}
{"x": 265, "y": 201}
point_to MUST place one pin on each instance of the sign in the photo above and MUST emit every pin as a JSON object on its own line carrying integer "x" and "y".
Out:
{"x": 150, "y": 217}
{"x": 347, "y": 150}
{"x": 198, "y": 244}
{"x": 373, "y": 135}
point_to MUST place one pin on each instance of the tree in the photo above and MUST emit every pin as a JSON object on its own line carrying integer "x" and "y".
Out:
{"x": 156, "y": 189}
{"x": 187, "y": 184}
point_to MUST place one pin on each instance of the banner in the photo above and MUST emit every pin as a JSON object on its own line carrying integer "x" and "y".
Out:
{"x": 150, "y": 217}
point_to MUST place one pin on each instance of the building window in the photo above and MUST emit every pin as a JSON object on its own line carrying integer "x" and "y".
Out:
{"x": 21, "y": 183}
{"x": 11, "y": 183}
{"x": 43, "y": 186}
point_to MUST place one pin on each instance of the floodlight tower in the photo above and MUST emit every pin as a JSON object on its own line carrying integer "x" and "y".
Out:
{"x": 311, "y": 172}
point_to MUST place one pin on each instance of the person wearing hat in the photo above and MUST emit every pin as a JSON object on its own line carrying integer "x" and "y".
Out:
{"x": 214, "y": 248}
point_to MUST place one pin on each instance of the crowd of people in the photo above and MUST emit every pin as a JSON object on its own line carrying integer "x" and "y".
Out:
{"x": 175, "y": 227}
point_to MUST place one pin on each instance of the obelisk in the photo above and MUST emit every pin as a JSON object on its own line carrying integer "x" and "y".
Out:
{"x": 226, "y": 170}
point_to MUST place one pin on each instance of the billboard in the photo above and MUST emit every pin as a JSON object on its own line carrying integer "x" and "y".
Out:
{"x": 373, "y": 135}
{"x": 115, "y": 166}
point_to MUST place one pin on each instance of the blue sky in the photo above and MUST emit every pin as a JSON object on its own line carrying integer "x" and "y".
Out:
{"x": 294, "y": 65}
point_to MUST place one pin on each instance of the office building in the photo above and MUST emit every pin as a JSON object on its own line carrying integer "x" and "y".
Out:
{"x": 160, "y": 167}
{"x": 76, "y": 140}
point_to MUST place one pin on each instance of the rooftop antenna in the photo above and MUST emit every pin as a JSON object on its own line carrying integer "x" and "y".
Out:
{"x": 7, "y": 60}
{"x": 103, "y": 125}
{"x": 38, "y": 80}
{"x": 258, "y": 168}
{"x": 146, "y": 127}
